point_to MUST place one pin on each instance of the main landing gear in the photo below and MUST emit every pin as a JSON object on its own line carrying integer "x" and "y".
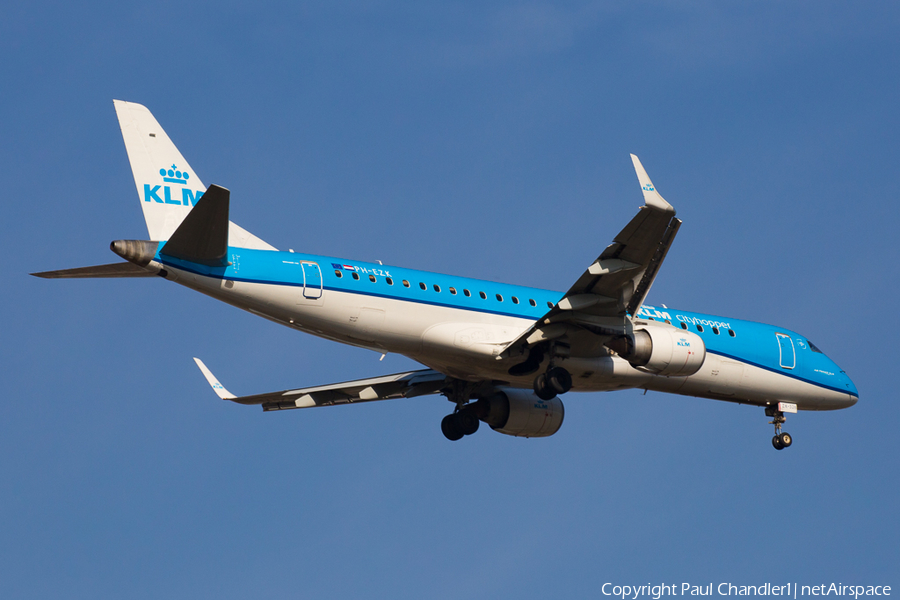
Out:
{"x": 552, "y": 383}
{"x": 782, "y": 439}
{"x": 555, "y": 380}
{"x": 463, "y": 420}
{"x": 458, "y": 424}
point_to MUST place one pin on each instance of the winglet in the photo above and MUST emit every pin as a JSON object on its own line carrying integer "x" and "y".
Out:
{"x": 651, "y": 196}
{"x": 217, "y": 387}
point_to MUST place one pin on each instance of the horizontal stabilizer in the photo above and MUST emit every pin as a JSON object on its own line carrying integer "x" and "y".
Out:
{"x": 125, "y": 269}
{"x": 203, "y": 235}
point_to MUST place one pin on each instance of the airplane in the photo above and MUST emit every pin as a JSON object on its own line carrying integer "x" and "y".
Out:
{"x": 502, "y": 354}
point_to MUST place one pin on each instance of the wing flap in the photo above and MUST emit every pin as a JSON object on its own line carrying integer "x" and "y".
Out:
{"x": 612, "y": 278}
{"x": 399, "y": 385}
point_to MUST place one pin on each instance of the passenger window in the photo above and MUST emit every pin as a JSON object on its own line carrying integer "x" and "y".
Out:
{"x": 355, "y": 275}
{"x": 515, "y": 300}
{"x": 651, "y": 318}
{"x": 700, "y": 328}
{"x": 483, "y": 295}
{"x": 389, "y": 281}
{"x": 423, "y": 286}
{"x": 684, "y": 325}
{"x": 549, "y": 304}
{"x": 437, "y": 288}
{"x": 668, "y": 322}
{"x": 467, "y": 293}
{"x": 731, "y": 333}
{"x": 499, "y": 298}
{"x": 372, "y": 278}
{"x": 405, "y": 283}
{"x": 453, "y": 291}
{"x": 532, "y": 302}
{"x": 338, "y": 274}
{"x": 716, "y": 330}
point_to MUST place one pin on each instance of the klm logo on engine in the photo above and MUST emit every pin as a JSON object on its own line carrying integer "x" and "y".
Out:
{"x": 163, "y": 193}
{"x": 684, "y": 343}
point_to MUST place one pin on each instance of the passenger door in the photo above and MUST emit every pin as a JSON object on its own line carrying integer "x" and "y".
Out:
{"x": 312, "y": 281}
{"x": 787, "y": 357}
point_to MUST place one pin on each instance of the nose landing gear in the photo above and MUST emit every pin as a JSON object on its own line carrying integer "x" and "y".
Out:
{"x": 782, "y": 439}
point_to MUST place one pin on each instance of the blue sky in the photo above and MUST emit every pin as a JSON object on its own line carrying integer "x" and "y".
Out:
{"x": 489, "y": 141}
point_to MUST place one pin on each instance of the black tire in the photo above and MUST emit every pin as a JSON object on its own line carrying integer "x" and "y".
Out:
{"x": 450, "y": 428}
{"x": 776, "y": 441}
{"x": 785, "y": 439}
{"x": 541, "y": 389}
{"x": 467, "y": 421}
{"x": 559, "y": 380}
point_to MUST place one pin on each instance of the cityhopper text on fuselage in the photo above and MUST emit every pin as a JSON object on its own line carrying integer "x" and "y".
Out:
{"x": 502, "y": 354}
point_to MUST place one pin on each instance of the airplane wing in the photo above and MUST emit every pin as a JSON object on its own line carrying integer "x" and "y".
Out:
{"x": 398, "y": 385}
{"x": 616, "y": 284}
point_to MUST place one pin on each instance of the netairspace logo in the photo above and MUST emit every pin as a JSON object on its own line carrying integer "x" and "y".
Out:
{"x": 788, "y": 590}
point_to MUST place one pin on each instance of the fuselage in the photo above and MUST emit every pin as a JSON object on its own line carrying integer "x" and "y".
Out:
{"x": 459, "y": 326}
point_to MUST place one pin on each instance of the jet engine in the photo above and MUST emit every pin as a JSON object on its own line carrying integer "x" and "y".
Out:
{"x": 662, "y": 351}
{"x": 520, "y": 413}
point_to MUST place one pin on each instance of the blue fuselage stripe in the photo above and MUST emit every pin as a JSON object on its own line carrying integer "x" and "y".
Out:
{"x": 184, "y": 267}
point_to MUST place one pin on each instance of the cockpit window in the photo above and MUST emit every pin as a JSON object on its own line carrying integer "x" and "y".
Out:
{"x": 813, "y": 347}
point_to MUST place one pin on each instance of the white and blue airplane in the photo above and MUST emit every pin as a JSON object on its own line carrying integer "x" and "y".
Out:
{"x": 501, "y": 353}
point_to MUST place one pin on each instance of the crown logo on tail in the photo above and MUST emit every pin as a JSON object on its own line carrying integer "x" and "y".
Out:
{"x": 173, "y": 175}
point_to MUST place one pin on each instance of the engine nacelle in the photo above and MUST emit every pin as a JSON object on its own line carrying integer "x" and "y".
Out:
{"x": 521, "y": 413}
{"x": 662, "y": 351}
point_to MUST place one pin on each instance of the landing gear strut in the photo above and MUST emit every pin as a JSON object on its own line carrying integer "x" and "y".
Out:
{"x": 782, "y": 439}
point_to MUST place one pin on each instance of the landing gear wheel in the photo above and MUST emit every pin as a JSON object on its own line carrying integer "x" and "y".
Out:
{"x": 450, "y": 428}
{"x": 467, "y": 422}
{"x": 559, "y": 380}
{"x": 541, "y": 389}
{"x": 781, "y": 440}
